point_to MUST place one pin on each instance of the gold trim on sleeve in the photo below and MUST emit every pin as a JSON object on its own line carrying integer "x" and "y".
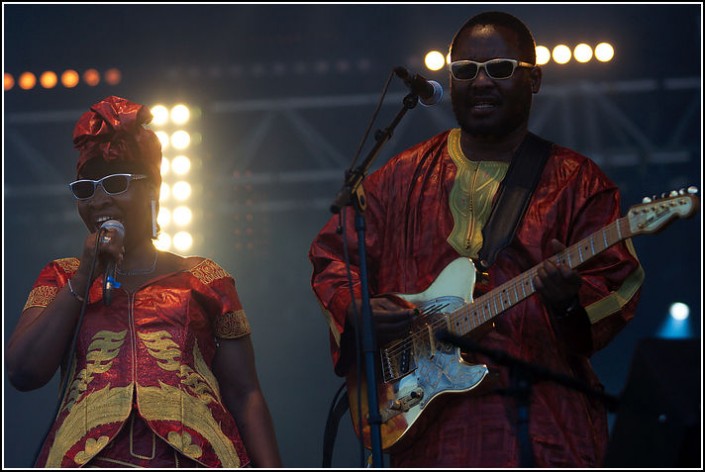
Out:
{"x": 616, "y": 300}
{"x": 232, "y": 325}
{"x": 41, "y": 297}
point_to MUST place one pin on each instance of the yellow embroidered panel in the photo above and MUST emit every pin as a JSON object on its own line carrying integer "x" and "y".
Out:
{"x": 207, "y": 271}
{"x": 167, "y": 403}
{"x": 232, "y": 325}
{"x": 470, "y": 200}
{"x": 104, "y": 347}
{"x": 98, "y": 408}
{"x": 201, "y": 383}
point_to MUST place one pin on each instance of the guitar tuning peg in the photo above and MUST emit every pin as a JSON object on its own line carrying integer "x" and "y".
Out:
{"x": 673, "y": 193}
{"x": 692, "y": 190}
{"x": 664, "y": 195}
{"x": 681, "y": 191}
{"x": 646, "y": 200}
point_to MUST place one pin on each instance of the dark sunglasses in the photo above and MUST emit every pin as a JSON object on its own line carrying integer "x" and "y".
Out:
{"x": 113, "y": 184}
{"x": 494, "y": 68}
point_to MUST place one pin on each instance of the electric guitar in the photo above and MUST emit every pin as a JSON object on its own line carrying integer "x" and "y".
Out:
{"x": 417, "y": 369}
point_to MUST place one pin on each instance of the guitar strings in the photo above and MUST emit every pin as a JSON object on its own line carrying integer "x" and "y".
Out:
{"x": 569, "y": 254}
{"x": 421, "y": 333}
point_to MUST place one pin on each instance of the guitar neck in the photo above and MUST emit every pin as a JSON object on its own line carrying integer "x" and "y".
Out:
{"x": 491, "y": 304}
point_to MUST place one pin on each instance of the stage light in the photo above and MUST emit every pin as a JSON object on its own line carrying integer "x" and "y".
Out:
{"x": 604, "y": 52}
{"x": 434, "y": 60}
{"x": 181, "y": 190}
{"x": 9, "y": 81}
{"x": 180, "y": 139}
{"x": 561, "y": 54}
{"x": 677, "y": 324}
{"x": 91, "y": 77}
{"x": 182, "y": 216}
{"x": 69, "y": 78}
{"x": 183, "y": 241}
{"x": 171, "y": 123}
{"x": 180, "y": 114}
{"x": 160, "y": 115}
{"x": 113, "y": 76}
{"x": 48, "y": 79}
{"x": 543, "y": 55}
{"x": 163, "y": 241}
{"x": 181, "y": 165}
{"x": 164, "y": 192}
{"x": 27, "y": 81}
{"x": 679, "y": 311}
{"x": 582, "y": 53}
{"x": 164, "y": 217}
{"x": 163, "y": 138}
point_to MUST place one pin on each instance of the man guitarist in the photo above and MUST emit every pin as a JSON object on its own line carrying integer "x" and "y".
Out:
{"x": 428, "y": 206}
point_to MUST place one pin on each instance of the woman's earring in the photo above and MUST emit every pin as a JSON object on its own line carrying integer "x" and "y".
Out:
{"x": 155, "y": 225}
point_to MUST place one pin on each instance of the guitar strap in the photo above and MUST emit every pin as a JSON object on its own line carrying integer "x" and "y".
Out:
{"x": 513, "y": 197}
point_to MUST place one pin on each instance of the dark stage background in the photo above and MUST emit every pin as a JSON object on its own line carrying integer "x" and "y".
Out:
{"x": 285, "y": 93}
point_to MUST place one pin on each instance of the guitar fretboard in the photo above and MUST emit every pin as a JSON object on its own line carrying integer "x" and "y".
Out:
{"x": 491, "y": 304}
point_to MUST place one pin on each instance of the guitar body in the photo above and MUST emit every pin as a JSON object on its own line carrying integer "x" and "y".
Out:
{"x": 432, "y": 369}
{"x": 416, "y": 371}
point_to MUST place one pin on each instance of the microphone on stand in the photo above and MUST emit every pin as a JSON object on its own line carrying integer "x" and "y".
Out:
{"x": 109, "y": 281}
{"x": 429, "y": 92}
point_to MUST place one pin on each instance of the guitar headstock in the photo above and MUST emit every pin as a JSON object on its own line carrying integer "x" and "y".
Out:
{"x": 656, "y": 212}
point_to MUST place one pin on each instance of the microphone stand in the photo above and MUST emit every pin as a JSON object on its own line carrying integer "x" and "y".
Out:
{"x": 352, "y": 194}
{"x": 522, "y": 374}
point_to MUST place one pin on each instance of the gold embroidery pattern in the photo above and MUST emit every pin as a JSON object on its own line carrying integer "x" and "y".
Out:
{"x": 160, "y": 346}
{"x": 183, "y": 443}
{"x": 232, "y": 325}
{"x": 68, "y": 264}
{"x": 91, "y": 449}
{"x": 208, "y": 271}
{"x": 98, "y": 408}
{"x": 41, "y": 297}
{"x": 471, "y": 197}
{"x": 104, "y": 347}
{"x": 167, "y": 403}
{"x": 203, "y": 369}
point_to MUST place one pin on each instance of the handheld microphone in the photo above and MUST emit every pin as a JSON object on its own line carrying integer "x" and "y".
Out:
{"x": 429, "y": 92}
{"x": 109, "y": 281}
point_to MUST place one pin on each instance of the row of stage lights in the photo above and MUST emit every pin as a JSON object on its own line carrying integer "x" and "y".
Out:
{"x": 175, "y": 214}
{"x": 68, "y": 79}
{"x": 434, "y": 60}
{"x": 560, "y": 54}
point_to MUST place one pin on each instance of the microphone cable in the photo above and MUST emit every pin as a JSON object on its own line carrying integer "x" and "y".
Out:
{"x": 64, "y": 382}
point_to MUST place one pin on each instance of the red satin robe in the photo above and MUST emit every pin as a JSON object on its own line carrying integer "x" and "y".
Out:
{"x": 142, "y": 392}
{"x": 409, "y": 221}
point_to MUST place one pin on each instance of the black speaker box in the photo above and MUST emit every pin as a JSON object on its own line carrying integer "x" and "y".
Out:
{"x": 659, "y": 419}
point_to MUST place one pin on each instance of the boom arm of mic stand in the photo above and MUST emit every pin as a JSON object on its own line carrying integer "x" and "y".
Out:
{"x": 354, "y": 178}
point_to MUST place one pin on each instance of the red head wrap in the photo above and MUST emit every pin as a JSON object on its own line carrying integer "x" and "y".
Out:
{"x": 112, "y": 130}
